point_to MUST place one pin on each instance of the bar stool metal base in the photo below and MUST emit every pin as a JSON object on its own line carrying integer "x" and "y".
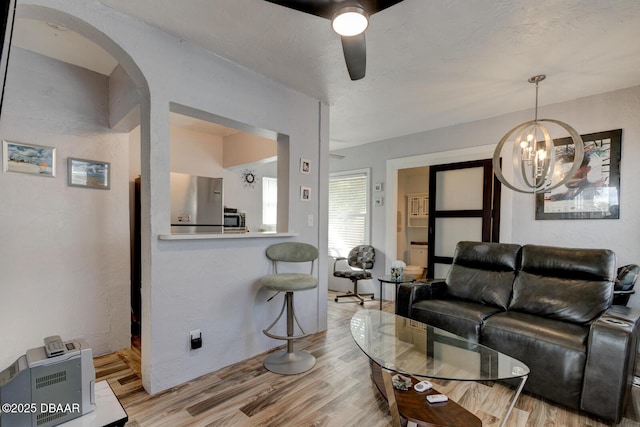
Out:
{"x": 289, "y": 363}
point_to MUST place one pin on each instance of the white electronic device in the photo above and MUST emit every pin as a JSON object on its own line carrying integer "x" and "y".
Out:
{"x": 49, "y": 385}
{"x": 437, "y": 398}
{"x": 422, "y": 386}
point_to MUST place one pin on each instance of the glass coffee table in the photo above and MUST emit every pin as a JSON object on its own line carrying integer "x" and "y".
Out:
{"x": 397, "y": 344}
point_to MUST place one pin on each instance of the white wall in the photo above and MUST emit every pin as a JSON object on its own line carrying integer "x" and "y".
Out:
{"x": 64, "y": 255}
{"x": 243, "y": 148}
{"x": 203, "y": 154}
{"x": 212, "y": 285}
{"x": 615, "y": 110}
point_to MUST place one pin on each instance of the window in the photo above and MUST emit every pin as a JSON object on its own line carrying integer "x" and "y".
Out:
{"x": 348, "y": 211}
{"x": 269, "y": 203}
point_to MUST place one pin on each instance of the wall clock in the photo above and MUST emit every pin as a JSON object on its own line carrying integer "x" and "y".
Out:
{"x": 249, "y": 178}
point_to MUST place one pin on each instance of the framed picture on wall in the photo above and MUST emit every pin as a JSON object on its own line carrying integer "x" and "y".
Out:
{"x": 305, "y": 193}
{"x": 28, "y": 158}
{"x": 594, "y": 191}
{"x": 305, "y": 166}
{"x": 88, "y": 173}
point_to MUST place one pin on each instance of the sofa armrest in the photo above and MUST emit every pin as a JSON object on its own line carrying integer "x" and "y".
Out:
{"x": 408, "y": 293}
{"x": 611, "y": 356}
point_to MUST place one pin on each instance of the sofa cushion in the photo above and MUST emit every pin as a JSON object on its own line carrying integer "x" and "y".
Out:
{"x": 483, "y": 272}
{"x": 463, "y": 318}
{"x": 555, "y": 352}
{"x": 585, "y": 264}
{"x": 574, "y": 285}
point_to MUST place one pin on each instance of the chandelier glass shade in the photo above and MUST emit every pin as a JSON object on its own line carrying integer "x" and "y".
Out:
{"x": 538, "y": 164}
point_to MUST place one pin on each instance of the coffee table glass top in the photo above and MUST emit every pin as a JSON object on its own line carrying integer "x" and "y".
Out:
{"x": 414, "y": 348}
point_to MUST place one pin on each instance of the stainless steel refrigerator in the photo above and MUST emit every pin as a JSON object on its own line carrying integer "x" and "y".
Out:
{"x": 196, "y": 204}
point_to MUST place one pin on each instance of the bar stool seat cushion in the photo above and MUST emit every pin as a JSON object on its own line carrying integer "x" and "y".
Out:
{"x": 289, "y": 282}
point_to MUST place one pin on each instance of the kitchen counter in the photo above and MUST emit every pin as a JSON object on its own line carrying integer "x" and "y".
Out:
{"x": 232, "y": 235}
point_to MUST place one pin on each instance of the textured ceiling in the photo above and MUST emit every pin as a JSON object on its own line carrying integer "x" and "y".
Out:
{"x": 430, "y": 63}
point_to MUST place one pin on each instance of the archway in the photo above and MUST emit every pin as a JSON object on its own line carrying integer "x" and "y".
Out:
{"x": 75, "y": 18}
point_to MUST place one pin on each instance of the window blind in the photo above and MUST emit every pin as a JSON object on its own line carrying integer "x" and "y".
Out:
{"x": 269, "y": 201}
{"x": 348, "y": 212}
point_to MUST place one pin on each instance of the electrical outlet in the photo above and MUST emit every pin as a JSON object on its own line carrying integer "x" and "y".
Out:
{"x": 196, "y": 339}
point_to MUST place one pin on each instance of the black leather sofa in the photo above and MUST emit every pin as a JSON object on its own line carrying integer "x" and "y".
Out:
{"x": 549, "y": 307}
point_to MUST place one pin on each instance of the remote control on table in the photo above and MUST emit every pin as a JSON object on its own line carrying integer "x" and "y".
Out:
{"x": 437, "y": 398}
{"x": 53, "y": 346}
{"x": 422, "y": 386}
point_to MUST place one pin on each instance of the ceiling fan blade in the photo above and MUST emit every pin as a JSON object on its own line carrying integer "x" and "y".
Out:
{"x": 375, "y": 6}
{"x": 354, "y": 47}
{"x": 326, "y": 8}
{"x": 321, "y": 8}
{"x": 355, "y": 55}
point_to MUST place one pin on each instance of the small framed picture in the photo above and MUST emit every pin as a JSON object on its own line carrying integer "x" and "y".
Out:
{"x": 379, "y": 201}
{"x": 88, "y": 173}
{"x": 28, "y": 158}
{"x": 305, "y": 166}
{"x": 305, "y": 193}
{"x": 377, "y": 186}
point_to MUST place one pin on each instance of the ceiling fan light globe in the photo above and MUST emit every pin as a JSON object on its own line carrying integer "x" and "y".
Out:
{"x": 350, "y": 21}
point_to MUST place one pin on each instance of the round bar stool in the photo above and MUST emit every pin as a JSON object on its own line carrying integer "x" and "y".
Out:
{"x": 289, "y": 362}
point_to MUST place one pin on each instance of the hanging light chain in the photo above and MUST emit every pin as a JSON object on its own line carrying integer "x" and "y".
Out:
{"x": 536, "y": 114}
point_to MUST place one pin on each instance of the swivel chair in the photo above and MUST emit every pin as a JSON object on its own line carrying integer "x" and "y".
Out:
{"x": 289, "y": 362}
{"x": 360, "y": 258}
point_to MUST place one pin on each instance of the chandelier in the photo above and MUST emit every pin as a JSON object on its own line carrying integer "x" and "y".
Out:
{"x": 538, "y": 164}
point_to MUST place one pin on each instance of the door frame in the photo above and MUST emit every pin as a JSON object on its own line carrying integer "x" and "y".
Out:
{"x": 430, "y": 159}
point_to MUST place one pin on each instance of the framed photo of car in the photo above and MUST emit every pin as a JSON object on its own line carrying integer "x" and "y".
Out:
{"x": 594, "y": 191}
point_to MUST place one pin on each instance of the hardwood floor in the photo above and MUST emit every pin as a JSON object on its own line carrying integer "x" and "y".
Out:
{"x": 336, "y": 392}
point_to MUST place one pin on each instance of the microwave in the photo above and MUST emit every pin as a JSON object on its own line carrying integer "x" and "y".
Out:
{"x": 234, "y": 221}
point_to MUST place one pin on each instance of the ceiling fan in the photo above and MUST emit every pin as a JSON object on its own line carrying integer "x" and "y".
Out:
{"x": 349, "y": 18}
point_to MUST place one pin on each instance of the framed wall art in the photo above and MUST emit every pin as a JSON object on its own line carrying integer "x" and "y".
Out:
{"x": 305, "y": 194}
{"x": 88, "y": 173}
{"x": 594, "y": 191}
{"x": 29, "y": 159}
{"x": 305, "y": 166}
